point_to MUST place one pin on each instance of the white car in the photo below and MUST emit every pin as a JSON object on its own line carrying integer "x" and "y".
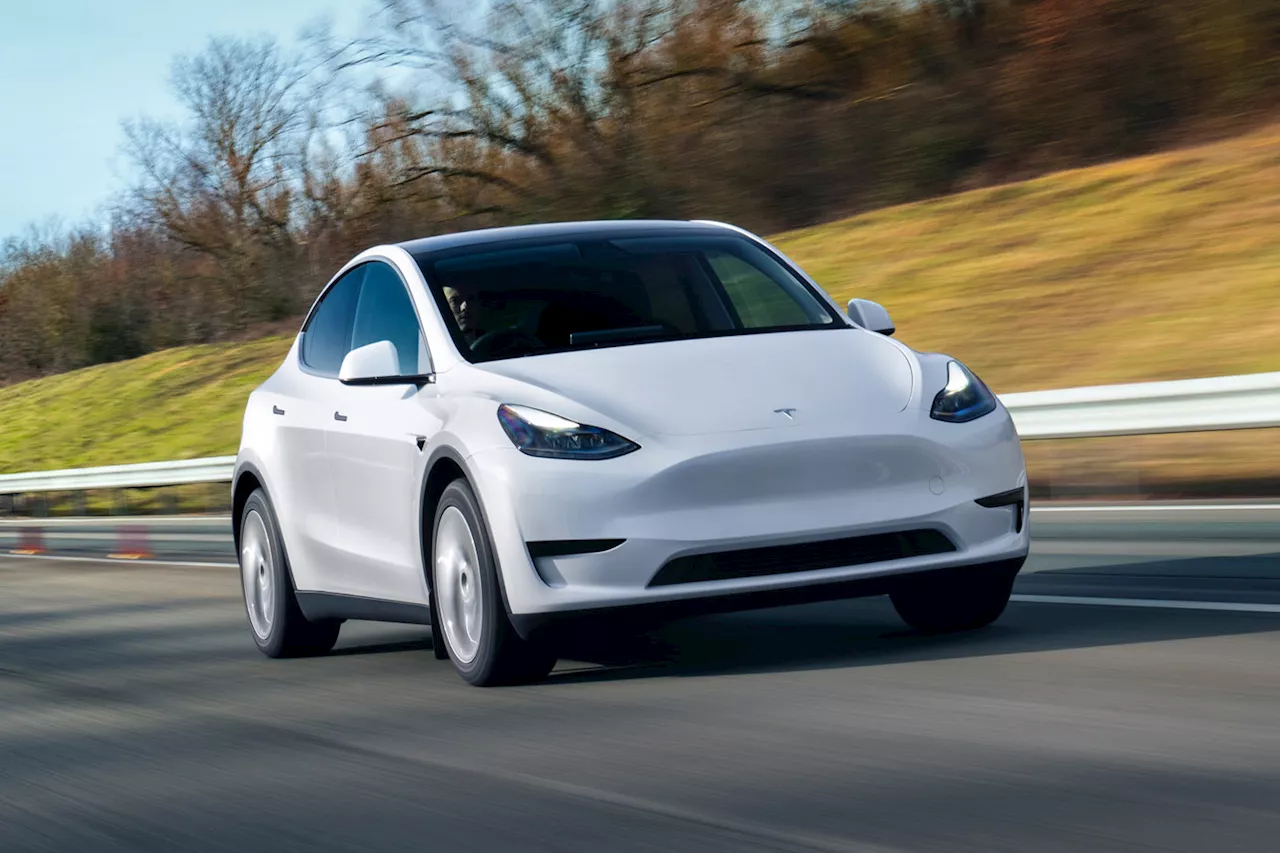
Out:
{"x": 508, "y": 433}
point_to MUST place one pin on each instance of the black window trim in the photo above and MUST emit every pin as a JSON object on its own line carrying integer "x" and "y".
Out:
{"x": 372, "y": 259}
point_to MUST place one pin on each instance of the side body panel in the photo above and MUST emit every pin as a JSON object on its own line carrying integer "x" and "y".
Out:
{"x": 284, "y": 438}
{"x": 377, "y": 469}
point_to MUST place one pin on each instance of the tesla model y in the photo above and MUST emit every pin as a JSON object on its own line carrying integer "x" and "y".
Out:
{"x": 507, "y": 433}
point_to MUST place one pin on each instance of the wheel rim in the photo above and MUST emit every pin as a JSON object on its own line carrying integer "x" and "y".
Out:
{"x": 457, "y": 585}
{"x": 257, "y": 574}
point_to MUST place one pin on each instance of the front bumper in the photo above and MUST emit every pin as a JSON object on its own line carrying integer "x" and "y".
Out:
{"x": 692, "y": 495}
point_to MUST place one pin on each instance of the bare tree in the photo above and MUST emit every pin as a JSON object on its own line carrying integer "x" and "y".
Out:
{"x": 222, "y": 183}
{"x": 559, "y": 107}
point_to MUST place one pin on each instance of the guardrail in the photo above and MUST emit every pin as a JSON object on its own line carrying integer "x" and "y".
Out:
{"x": 213, "y": 469}
{"x": 1147, "y": 408}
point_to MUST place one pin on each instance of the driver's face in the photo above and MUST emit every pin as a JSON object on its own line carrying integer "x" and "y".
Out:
{"x": 463, "y": 305}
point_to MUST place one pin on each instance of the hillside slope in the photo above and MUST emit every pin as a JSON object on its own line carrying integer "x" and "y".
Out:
{"x": 175, "y": 404}
{"x": 1159, "y": 267}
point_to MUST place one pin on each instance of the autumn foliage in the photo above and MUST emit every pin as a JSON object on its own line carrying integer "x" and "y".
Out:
{"x": 772, "y": 114}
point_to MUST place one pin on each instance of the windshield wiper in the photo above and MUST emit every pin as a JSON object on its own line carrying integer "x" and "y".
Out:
{"x": 606, "y": 336}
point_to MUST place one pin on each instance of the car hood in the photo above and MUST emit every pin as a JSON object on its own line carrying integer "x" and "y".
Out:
{"x": 744, "y": 382}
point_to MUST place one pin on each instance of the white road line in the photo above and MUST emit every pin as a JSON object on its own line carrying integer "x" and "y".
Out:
{"x": 1156, "y": 507}
{"x": 1153, "y": 603}
{"x": 118, "y": 561}
{"x": 1157, "y": 603}
{"x": 154, "y": 536}
{"x": 1145, "y": 548}
{"x": 119, "y": 520}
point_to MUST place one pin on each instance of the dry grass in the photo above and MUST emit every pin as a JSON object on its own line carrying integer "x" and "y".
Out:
{"x": 1160, "y": 267}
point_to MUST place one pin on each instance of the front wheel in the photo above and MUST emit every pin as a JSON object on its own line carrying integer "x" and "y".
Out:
{"x": 956, "y": 600}
{"x": 279, "y": 629}
{"x": 474, "y": 628}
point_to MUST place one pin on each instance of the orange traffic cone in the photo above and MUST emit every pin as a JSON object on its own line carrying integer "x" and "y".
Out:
{"x": 30, "y": 541}
{"x": 132, "y": 544}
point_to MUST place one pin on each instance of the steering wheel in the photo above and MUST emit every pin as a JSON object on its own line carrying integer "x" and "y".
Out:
{"x": 506, "y": 341}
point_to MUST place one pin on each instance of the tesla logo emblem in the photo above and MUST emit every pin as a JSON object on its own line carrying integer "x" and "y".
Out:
{"x": 788, "y": 413}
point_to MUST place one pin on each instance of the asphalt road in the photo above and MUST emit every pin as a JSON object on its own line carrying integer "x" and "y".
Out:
{"x": 136, "y": 714}
{"x": 1223, "y": 552}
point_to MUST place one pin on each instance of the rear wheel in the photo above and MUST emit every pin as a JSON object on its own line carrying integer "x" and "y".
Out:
{"x": 276, "y": 622}
{"x": 474, "y": 628}
{"x": 959, "y": 600}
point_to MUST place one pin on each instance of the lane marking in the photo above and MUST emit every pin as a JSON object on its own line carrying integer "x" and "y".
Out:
{"x": 1155, "y": 603}
{"x": 117, "y": 520}
{"x": 124, "y": 561}
{"x": 1118, "y": 549}
{"x": 1092, "y": 601}
{"x": 160, "y": 535}
{"x": 1156, "y": 508}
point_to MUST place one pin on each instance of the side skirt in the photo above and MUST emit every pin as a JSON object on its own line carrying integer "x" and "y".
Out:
{"x": 318, "y": 606}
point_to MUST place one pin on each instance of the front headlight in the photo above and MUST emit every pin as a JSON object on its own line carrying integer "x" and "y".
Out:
{"x": 540, "y": 433}
{"x": 964, "y": 398}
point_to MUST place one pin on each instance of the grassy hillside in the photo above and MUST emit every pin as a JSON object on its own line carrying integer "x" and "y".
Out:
{"x": 176, "y": 404}
{"x": 1159, "y": 267}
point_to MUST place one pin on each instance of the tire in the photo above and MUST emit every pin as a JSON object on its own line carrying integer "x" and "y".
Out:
{"x": 959, "y": 600}
{"x": 275, "y": 621}
{"x": 475, "y": 630}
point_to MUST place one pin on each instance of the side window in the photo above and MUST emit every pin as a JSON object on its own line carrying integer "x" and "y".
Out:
{"x": 326, "y": 340}
{"x": 759, "y": 300}
{"x": 385, "y": 312}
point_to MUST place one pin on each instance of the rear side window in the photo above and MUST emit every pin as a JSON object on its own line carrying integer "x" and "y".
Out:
{"x": 327, "y": 338}
{"x": 385, "y": 312}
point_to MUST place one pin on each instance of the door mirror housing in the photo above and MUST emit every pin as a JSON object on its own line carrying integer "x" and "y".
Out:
{"x": 377, "y": 363}
{"x": 871, "y": 316}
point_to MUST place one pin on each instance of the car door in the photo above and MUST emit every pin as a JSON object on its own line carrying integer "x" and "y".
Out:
{"x": 301, "y": 407}
{"x": 375, "y": 448}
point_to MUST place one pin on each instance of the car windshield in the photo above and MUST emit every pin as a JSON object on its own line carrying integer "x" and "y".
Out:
{"x": 508, "y": 302}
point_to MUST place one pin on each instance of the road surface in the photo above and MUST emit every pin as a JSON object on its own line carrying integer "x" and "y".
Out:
{"x": 136, "y": 714}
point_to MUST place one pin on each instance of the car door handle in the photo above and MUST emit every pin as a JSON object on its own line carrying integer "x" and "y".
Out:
{"x": 276, "y": 410}
{"x": 338, "y": 416}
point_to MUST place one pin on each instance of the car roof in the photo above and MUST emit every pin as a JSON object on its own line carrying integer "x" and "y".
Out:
{"x": 426, "y": 246}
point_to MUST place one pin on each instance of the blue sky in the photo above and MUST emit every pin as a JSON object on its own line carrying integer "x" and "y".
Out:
{"x": 72, "y": 70}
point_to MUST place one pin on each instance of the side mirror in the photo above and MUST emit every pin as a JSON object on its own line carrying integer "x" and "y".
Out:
{"x": 377, "y": 363}
{"x": 871, "y": 315}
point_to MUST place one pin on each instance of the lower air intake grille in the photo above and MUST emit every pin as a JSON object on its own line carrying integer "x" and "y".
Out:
{"x": 804, "y": 557}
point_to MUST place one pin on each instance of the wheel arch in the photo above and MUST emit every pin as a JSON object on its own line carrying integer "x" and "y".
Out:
{"x": 446, "y": 465}
{"x": 247, "y": 480}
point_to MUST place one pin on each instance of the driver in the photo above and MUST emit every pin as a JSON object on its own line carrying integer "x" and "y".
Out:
{"x": 466, "y": 306}
{"x": 482, "y": 320}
